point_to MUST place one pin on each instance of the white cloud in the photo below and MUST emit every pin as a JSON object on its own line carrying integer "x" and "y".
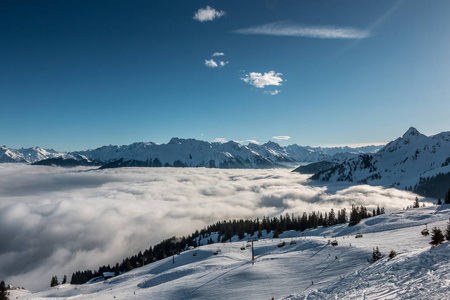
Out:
{"x": 259, "y": 80}
{"x": 281, "y": 137}
{"x": 293, "y": 29}
{"x": 208, "y": 14}
{"x": 211, "y": 63}
{"x": 220, "y": 140}
{"x": 273, "y": 93}
{"x": 218, "y": 54}
{"x": 55, "y": 221}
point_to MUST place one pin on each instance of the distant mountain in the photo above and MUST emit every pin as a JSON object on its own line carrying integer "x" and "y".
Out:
{"x": 76, "y": 161}
{"x": 401, "y": 163}
{"x": 181, "y": 153}
{"x": 28, "y": 155}
{"x": 335, "y": 154}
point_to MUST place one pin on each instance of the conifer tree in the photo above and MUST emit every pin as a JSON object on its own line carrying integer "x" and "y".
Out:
{"x": 392, "y": 254}
{"x": 376, "y": 255}
{"x": 447, "y": 197}
{"x": 447, "y": 232}
{"x": 436, "y": 237}
{"x": 416, "y": 203}
{"x": 3, "y": 292}
{"x": 439, "y": 202}
{"x": 54, "y": 282}
{"x": 64, "y": 280}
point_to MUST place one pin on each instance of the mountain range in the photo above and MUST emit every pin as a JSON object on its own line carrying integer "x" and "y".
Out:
{"x": 185, "y": 153}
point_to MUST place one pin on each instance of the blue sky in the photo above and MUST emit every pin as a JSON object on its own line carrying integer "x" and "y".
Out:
{"x": 82, "y": 74}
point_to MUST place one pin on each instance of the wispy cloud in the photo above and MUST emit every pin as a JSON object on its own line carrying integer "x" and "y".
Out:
{"x": 208, "y": 14}
{"x": 281, "y": 137}
{"x": 294, "y": 29}
{"x": 260, "y": 80}
{"x": 101, "y": 216}
{"x": 218, "y": 54}
{"x": 272, "y": 93}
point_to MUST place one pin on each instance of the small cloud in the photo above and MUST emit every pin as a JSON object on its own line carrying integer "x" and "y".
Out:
{"x": 208, "y": 14}
{"x": 220, "y": 140}
{"x": 202, "y": 134}
{"x": 318, "y": 32}
{"x": 281, "y": 137}
{"x": 259, "y": 80}
{"x": 273, "y": 93}
{"x": 211, "y": 63}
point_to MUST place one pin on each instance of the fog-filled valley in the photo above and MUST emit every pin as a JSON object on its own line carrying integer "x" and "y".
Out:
{"x": 56, "y": 221}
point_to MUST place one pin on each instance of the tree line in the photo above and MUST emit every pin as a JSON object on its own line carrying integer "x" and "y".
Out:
{"x": 225, "y": 231}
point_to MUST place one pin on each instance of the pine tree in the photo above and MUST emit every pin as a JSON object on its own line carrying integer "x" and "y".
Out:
{"x": 447, "y": 232}
{"x": 392, "y": 254}
{"x": 376, "y": 255}
{"x": 439, "y": 201}
{"x": 447, "y": 197}
{"x": 3, "y": 292}
{"x": 355, "y": 216}
{"x": 416, "y": 203}
{"x": 54, "y": 282}
{"x": 64, "y": 280}
{"x": 436, "y": 237}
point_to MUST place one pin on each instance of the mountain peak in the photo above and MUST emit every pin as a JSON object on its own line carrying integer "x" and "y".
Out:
{"x": 411, "y": 132}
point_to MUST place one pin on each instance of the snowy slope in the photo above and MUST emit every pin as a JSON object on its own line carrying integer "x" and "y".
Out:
{"x": 400, "y": 163}
{"x": 310, "y": 268}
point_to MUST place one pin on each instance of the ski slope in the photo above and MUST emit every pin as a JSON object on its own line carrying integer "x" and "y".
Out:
{"x": 309, "y": 269}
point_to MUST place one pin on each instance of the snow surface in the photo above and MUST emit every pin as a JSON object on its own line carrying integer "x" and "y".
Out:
{"x": 309, "y": 269}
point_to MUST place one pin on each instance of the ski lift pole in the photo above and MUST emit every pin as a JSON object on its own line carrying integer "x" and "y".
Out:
{"x": 253, "y": 252}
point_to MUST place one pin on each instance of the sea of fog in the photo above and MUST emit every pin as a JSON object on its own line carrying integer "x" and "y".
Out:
{"x": 55, "y": 221}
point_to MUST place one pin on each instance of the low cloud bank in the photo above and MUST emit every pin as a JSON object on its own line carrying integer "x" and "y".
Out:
{"x": 55, "y": 221}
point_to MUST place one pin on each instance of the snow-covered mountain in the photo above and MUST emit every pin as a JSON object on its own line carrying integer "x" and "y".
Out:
{"x": 334, "y": 154}
{"x": 400, "y": 163}
{"x": 29, "y": 155}
{"x": 183, "y": 153}
{"x": 306, "y": 267}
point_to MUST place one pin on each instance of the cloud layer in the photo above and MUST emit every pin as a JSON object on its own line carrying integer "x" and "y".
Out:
{"x": 55, "y": 221}
{"x": 260, "y": 80}
{"x": 208, "y": 14}
{"x": 293, "y": 29}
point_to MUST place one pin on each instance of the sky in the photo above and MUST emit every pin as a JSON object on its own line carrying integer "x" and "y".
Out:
{"x": 56, "y": 221}
{"x": 83, "y": 74}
